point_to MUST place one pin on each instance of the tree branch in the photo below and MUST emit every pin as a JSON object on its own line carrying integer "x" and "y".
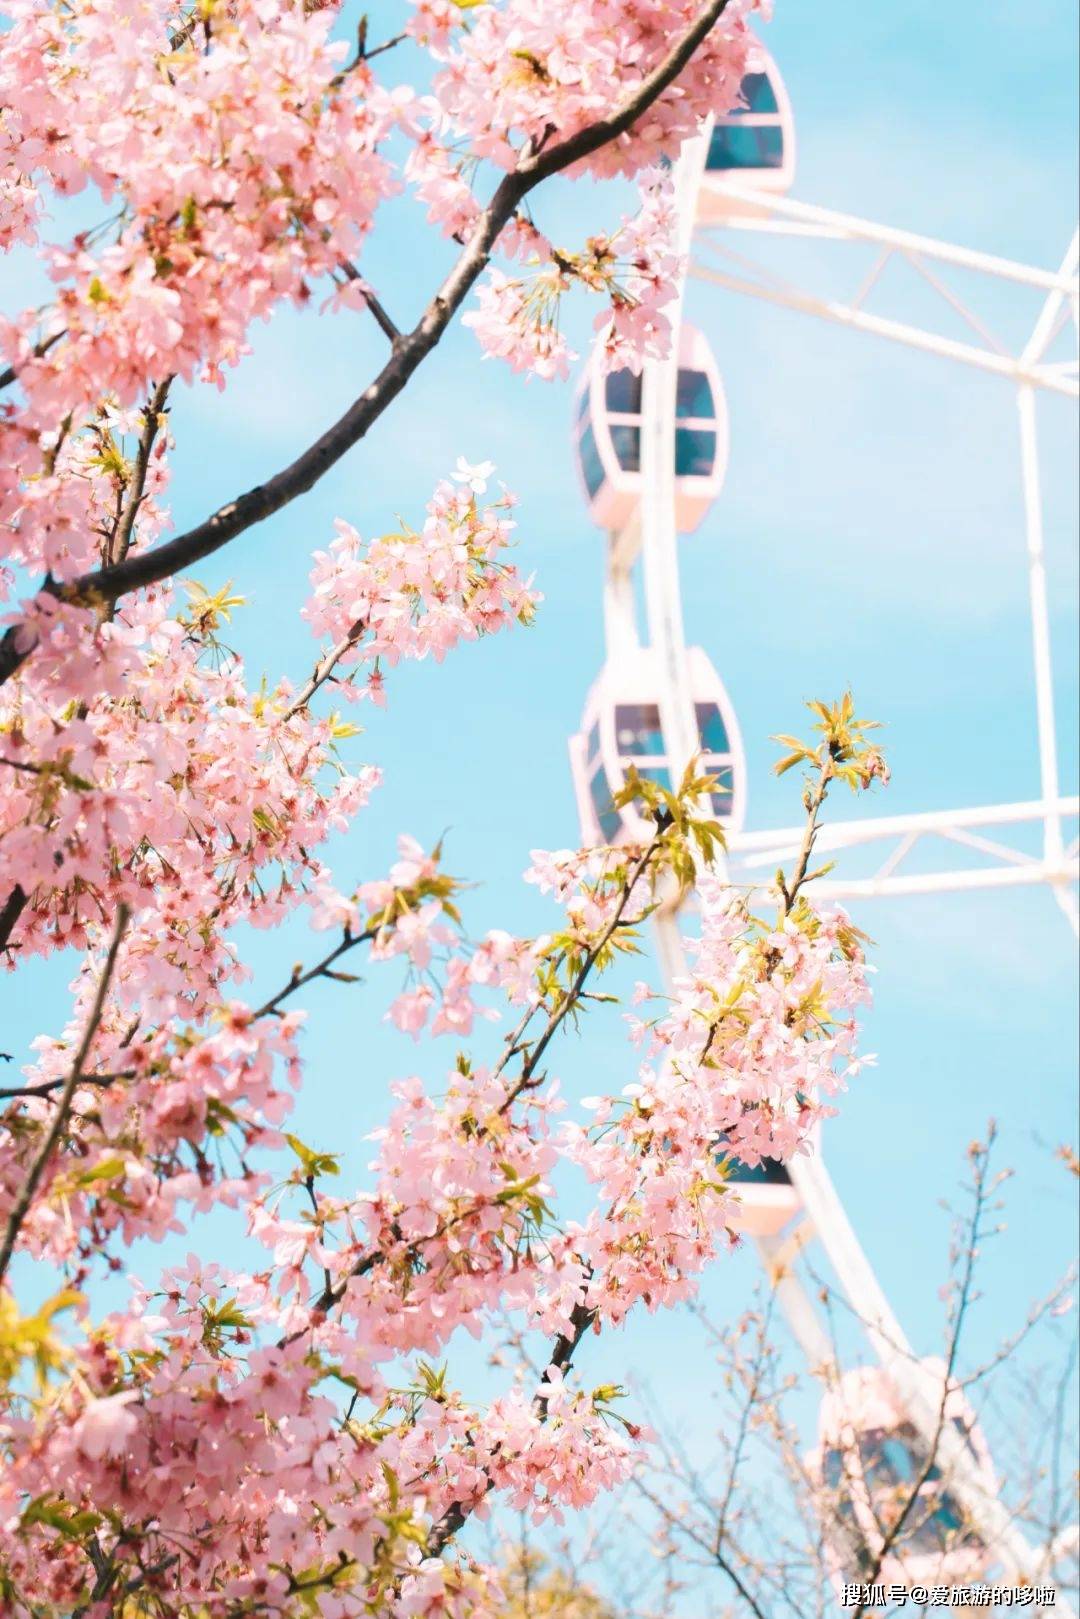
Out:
{"x": 48, "y": 1086}
{"x": 325, "y": 668}
{"x": 713, "y": 1553}
{"x": 321, "y": 969}
{"x": 456, "y": 1516}
{"x": 120, "y": 542}
{"x": 333, "y": 1294}
{"x": 10, "y": 913}
{"x": 894, "y": 1531}
{"x": 814, "y": 801}
{"x": 25, "y": 1197}
{"x": 382, "y": 319}
{"x": 409, "y": 352}
{"x": 542, "y": 165}
{"x": 574, "y": 992}
{"x": 10, "y": 373}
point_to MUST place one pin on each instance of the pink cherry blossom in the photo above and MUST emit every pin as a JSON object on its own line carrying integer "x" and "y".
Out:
{"x": 106, "y": 1425}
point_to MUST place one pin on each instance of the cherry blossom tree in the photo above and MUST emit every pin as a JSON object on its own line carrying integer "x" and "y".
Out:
{"x": 283, "y": 1440}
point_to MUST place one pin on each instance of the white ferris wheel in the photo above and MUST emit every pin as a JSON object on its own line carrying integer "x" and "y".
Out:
{"x": 652, "y": 453}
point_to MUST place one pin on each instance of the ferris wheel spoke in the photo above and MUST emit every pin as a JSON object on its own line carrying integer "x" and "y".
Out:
{"x": 1015, "y": 370}
{"x": 1003, "y": 865}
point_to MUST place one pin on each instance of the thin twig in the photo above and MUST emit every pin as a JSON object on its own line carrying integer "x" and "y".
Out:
{"x": 120, "y": 543}
{"x": 790, "y": 889}
{"x": 10, "y": 373}
{"x": 742, "y": 1433}
{"x": 574, "y": 993}
{"x": 325, "y": 668}
{"x": 351, "y": 273}
{"x": 25, "y": 1197}
{"x": 892, "y": 1534}
{"x": 321, "y": 969}
{"x": 387, "y": 45}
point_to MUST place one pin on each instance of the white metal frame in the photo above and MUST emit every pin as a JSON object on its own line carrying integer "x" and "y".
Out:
{"x": 1002, "y": 864}
{"x": 726, "y": 266}
{"x": 652, "y": 534}
{"x": 1030, "y": 371}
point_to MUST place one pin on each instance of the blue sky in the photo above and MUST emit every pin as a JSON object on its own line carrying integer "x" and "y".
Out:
{"x": 870, "y": 533}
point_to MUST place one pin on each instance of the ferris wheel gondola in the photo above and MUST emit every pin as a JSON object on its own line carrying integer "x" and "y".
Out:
{"x": 751, "y": 148}
{"x": 621, "y": 731}
{"x": 608, "y": 437}
{"x": 870, "y": 1456}
{"x": 768, "y": 1200}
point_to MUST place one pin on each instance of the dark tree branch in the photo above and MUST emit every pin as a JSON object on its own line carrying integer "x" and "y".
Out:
{"x": 11, "y": 372}
{"x": 456, "y": 1516}
{"x": 10, "y": 913}
{"x": 325, "y": 668}
{"x": 382, "y": 319}
{"x": 22, "y": 1203}
{"x": 46, "y": 1087}
{"x": 321, "y": 969}
{"x": 107, "y": 584}
{"x": 120, "y": 542}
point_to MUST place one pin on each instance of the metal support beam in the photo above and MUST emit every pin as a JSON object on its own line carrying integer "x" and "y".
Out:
{"x": 1034, "y": 375}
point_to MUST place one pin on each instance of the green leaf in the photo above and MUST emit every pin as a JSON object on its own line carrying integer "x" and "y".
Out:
{"x": 106, "y": 1170}
{"x": 392, "y": 1486}
{"x": 314, "y": 1163}
{"x": 72, "y": 1525}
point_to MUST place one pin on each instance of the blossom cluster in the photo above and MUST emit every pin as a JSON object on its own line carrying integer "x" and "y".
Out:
{"x": 525, "y": 73}
{"x": 216, "y": 1392}
{"x": 141, "y": 772}
{"x": 280, "y": 1439}
{"x": 241, "y": 159}
{"x": 244, "y": 170}
{"x": 421, "y": 593}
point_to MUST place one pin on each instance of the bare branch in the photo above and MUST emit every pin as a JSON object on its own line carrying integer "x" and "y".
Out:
{"x": 980, "y": 1162}
{"x": 321, "y": 969}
